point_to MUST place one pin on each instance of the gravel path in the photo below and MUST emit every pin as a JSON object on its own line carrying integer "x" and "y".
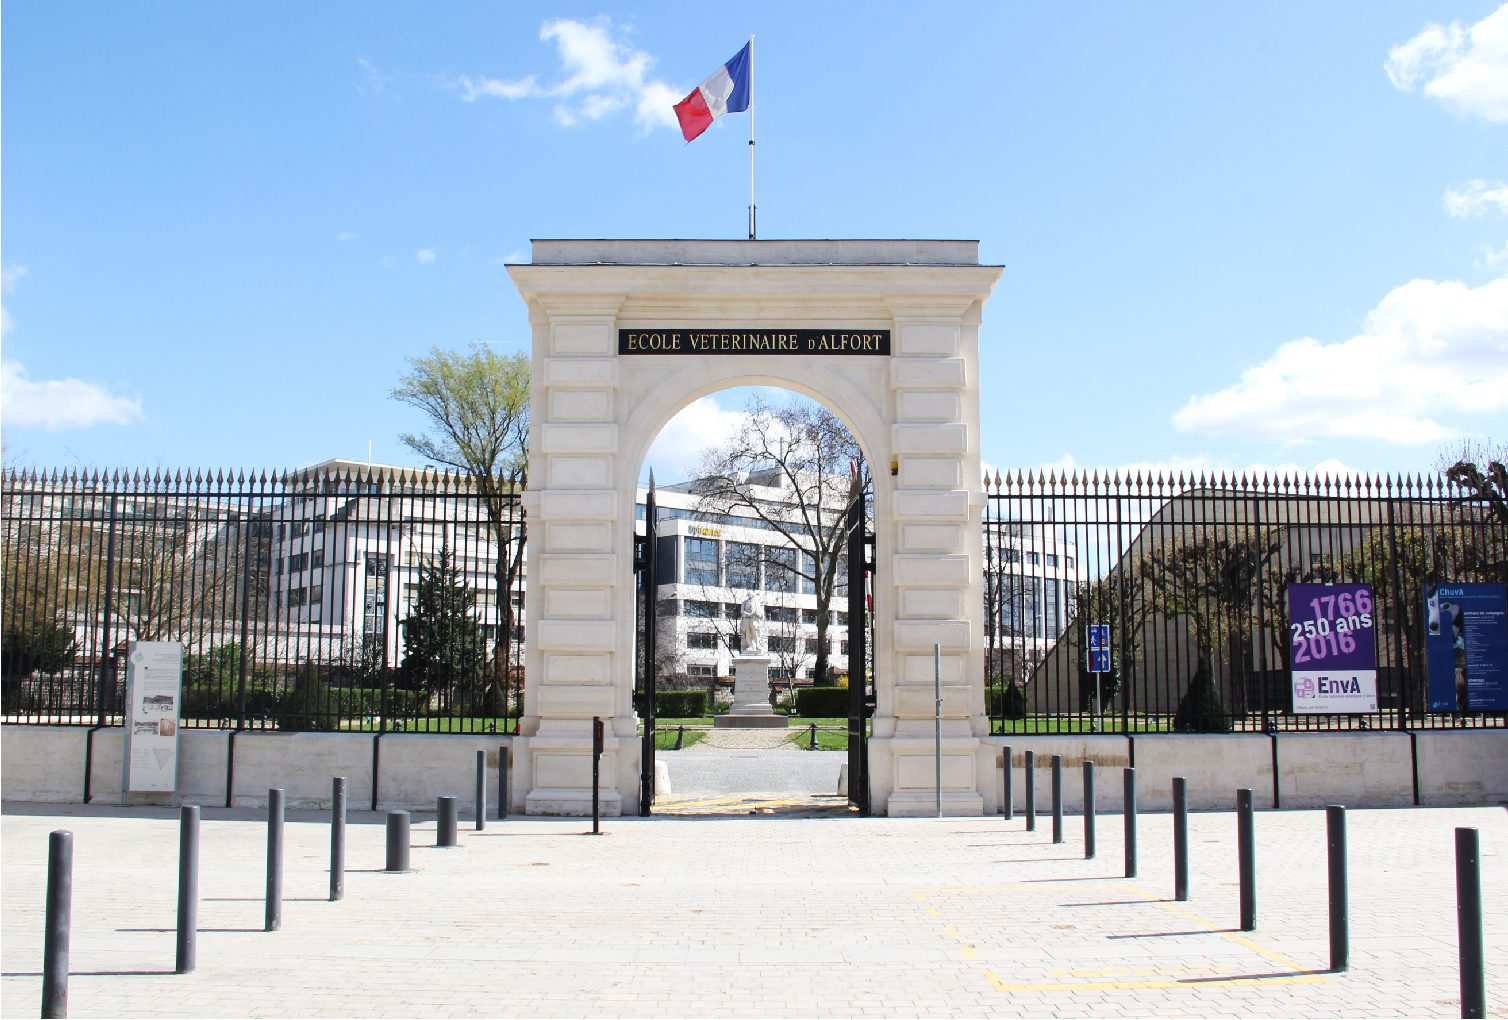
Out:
{"x": 713, "y": 771}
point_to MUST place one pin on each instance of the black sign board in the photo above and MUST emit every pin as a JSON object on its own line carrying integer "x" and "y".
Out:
{"x": 776, "y": 342}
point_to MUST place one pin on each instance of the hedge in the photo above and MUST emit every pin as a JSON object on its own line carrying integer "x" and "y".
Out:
{"x": 822, "y": 702}
{"x": 681, "y": 704}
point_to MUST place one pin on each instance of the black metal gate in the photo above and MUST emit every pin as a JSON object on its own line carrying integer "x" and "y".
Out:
{"x": 860, "y": 680}
{"x": 644, "y": 688}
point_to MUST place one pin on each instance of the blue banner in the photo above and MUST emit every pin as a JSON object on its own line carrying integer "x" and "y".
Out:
{"x": 1466, "y": 647}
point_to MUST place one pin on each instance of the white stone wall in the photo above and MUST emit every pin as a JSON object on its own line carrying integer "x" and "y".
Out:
{"x": 595, "y": 415}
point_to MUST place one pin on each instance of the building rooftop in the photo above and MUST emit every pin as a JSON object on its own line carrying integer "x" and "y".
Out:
{"x": 691, "y": 252}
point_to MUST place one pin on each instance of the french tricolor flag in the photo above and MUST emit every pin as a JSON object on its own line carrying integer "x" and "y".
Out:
{"x": 727, "y": 91}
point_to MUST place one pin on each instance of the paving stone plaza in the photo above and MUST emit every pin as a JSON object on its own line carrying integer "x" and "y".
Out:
{"x": 786, "y": 906}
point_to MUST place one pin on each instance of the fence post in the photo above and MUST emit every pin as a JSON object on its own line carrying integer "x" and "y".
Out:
{"x": 274, "y": 917}
{"x": 1469, "y": 923}
{"x": 188, "y": 888}
{"x": 58, "y": 923}
{"x": 1180, "y": 838}
{"x": 1128, "y": 796}
{"x": 338, "y": 839}
{"x": 1246, "y": 836}
{"x": 1340, "y": 919}
{"x": 481, "y": 790}
{"x": 597, "y": 741}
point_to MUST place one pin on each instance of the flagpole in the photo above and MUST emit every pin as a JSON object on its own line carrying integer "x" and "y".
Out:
{"x": 752, "y": 222}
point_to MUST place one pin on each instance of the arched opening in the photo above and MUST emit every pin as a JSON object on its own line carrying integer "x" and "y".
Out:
{"x": 753, "y": 647}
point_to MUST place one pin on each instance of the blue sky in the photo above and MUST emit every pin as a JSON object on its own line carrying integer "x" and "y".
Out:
{"x": 1233, "y": 235}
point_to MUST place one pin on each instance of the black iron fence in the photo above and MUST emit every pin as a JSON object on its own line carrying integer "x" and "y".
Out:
{"x": 340, "y": 598}
{"x": 1191, "y": 577}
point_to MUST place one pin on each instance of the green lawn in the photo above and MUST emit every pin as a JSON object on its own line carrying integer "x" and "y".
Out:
{"x": 665, "y": 738}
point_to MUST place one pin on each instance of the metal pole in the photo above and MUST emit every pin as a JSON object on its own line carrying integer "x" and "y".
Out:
{"x": 188, "y": 887}
{"x": 338, "y": 839}
{"x": 1057, "y": 798}
{"x": 1007, "y": 804}
{"x": 596, "y": 778}
{"x": 1469, "y": 923}
{"x": 397, "y": 842}
{"x": 1088, "y": 810}
{"x": 502, "y": 781}
{"x": 59, "y": 921}
{"x": 1340, "y": 918}
{"x": 1180, "y": 838}
{"x": 274, "y": 860}
{"x": 937, "y": 721}
{"x": 481, "y": 790}
{"x": 1128, "y": 795}
{"x": 446, "y": 814}
{"x": 811, "y": 737}
{"x": 1031, "y": 791}
{"x": 1246, "y": 837}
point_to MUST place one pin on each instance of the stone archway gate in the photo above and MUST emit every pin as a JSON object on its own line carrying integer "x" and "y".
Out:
{"x": 625, "y": 334}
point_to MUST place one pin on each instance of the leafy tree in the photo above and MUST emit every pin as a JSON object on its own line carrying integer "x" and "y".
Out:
{"x": 813, "y": 464}
{"x": 445, "y": 650}
{"x": 476, "y": 404}
{"x": 40, "y": 646}
{"x": 1200, "y": 710}
{"x": 1483, "y": 507}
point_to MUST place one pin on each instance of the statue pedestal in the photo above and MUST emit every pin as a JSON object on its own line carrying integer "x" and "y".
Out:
{"x": 751, "y": 696}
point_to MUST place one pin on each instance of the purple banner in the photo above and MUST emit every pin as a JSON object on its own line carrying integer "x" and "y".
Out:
{"x": 1332, "y": 646}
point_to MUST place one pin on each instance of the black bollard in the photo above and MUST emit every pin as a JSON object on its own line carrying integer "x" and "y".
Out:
{"x": 446, "y": 817}
{"x": 1007, "y": 795}
{"x": 1469, "y": 923}
{"x": 680, "y": 738}
{"x": 502, "y": 781}
{"x": 1128, "y": 794}
{"x": 1246, "y": 851}
{"x": 813, "y": 745}
{"x": 1088, "y": 810}
{"x": 338, "y": 838}
{"x": 188, "y": 888}
{"x": 1340, "y": 916}
{"x": 59, "y": 921}
{"x": 1057, "y": 798}
{"x": 397, "y": 843}
{"x": 274, "y": 860}
{"x": 1180, "y": 838}
{"x": 481, "y": 790}
{"x": 597, "y": 742}
{"x": 1031, "y": 791}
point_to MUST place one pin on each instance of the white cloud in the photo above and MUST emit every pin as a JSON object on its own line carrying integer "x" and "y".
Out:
{"x": 1194, "y": 467}
{"x": 426, "y": 256}
{"x": 1493, "y": 257}
{"x": 1476, "y": 198}
{"x": 1431, "y": 349}
{"x": 344, "y": 236}
{"x": 1466, "y": 69}
{"x": 55, "y": 404}
{"x": 700, "y": 425}
{"x": 600, "y": 77}
{"x": 10, "y": 276}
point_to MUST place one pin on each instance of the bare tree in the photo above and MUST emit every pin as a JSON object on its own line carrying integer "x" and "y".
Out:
{"x": 797, "y": 469}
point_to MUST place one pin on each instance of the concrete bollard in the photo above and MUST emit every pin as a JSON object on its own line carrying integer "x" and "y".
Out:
{"x": 1031, "y": 792}
{"x": 481, "y": 790}
{"x": 446, "y": 817}
{"x": 1057, "y": 798}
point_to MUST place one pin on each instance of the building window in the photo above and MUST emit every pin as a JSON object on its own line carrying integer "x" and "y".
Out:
{"x": 701, "y": 640}
{"x": 743, "y": 565}
{"x": 705, "y": 610}
{"x": 297, "y": 562}
{"x": 317, "y": 558}
{"x": 1052, "y": 559}
{"x": 1033, "y": 559}
{"x": 780, "y": 569}
{"x": 701, "y": 561}
{"x": 788, "y": 645}
{"x": 808, "y": 574}
{"x": 701, "y": 669}
{"x": 781, "y": 614}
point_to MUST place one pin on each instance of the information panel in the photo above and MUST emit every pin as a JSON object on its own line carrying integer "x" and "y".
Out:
{"x": 1332, "y": 646}
{"x": 154, "y": 671}
{"x": 1466, "y": 647}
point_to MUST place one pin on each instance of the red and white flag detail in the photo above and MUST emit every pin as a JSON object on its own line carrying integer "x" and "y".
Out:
{"x": 727, "y": 91}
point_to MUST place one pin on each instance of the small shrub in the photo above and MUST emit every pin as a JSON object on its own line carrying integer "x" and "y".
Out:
{"x": 1008, "y": 702}
{"x": 822, "y": 702}
{"x": 681, "y": 704}
{"x": 1201, "y": 710}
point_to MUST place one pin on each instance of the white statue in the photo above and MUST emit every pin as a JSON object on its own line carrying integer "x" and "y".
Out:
{"x": 751, "y": 626}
